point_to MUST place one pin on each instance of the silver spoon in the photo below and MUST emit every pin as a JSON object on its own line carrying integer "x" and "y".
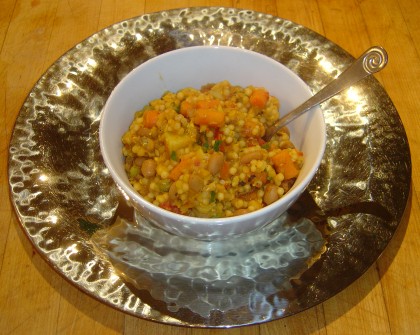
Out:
{"x": 372, "y": 61}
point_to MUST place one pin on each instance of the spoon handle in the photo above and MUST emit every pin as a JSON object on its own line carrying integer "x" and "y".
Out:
{"x": 372, "y": 61}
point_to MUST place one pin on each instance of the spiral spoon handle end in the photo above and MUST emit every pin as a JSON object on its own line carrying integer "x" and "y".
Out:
{"x": 375, "y": 59}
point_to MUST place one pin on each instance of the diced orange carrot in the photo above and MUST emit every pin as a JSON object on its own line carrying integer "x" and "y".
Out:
{"x": 224, "y": 172}
{"x": 209, "y": 117}
{"x": 179, "y": 168}
{"x": 261, "y": 176}
{"x": 150, "y": 118}
{"x": 259, "y": 97}
{"x": 186, "y": 109}
{"x": 206, "y": 104}
{"x": 283, "y": 163}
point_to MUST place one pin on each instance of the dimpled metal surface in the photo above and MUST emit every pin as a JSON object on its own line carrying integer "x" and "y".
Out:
{"x": 72, "y": 212}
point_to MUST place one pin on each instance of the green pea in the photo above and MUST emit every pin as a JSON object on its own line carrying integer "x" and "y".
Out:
{"x": 134, "y": 171}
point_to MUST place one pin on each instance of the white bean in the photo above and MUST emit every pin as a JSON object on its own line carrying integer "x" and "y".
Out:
{"x": 270, "y": 194}
{"x": 216, "y": 161}
{"x": 148, "y": 168}
{"x": 196, "y": 183}
{"x": 252, "y": 155}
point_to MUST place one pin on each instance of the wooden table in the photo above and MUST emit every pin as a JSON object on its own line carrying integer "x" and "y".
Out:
{"x": 34, "y": 299}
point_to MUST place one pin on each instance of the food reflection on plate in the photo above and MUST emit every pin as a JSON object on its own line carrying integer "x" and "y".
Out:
{"x": 216, "y": 277}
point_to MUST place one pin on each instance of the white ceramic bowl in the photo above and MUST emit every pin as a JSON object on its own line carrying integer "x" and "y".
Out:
{"x": 195, "y": 67}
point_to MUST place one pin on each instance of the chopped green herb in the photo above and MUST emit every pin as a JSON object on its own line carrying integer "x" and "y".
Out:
{"x": 212, "y": 196}
{"x": 216, "y": 145}
{"x": 265, "y": 146}
{"x": 134, "y": 171}
{"x": 206, "y": 146}
{"x": 173, "y": 156}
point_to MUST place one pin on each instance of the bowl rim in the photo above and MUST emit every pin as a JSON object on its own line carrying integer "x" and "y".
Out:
{"x": 130, "y": 193}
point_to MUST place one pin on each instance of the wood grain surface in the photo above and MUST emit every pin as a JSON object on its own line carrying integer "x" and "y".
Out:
{"x": 34, "y": 299}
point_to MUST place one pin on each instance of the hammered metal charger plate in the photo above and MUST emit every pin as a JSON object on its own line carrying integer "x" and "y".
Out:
{"x": 73, "y": 214}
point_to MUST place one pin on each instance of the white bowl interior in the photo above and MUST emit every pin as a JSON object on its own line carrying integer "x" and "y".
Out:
{"x": 195, "y": 67}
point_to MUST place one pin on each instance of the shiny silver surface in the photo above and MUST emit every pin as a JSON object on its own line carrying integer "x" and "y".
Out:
{"x": 371, "y": 61}
{"x": 73, "y": 214}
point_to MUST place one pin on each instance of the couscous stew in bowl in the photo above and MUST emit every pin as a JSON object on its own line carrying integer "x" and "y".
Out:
{"x": 201, "y": 153}
{"x": 182, "y": 137}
